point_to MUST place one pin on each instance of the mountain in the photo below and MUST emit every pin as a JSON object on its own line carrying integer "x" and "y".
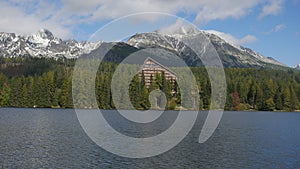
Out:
{"x": 298, "y": 67}
{"x": 231, "y": 55}
{"x": 42, "y": 44}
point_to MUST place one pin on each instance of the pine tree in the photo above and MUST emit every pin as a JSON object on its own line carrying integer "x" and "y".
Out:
{"x": 4, "y": 95}
{"x": 229, "y": 102}
{"x": 287, "y": 99}
{"x": 56, "y": 97}
{"x": 145, "y": 104}
{"x": 49, "y": 81}
{"x": 270, "y": 105}
{"x": 259, "y": 101}
{"x": 16, "y": 92}
{"x": 153, "y": 84}
{"x": 66, "y": 94}
{"x": 294, "y": 103}
{"x": 278, "y": 99}
{"x": 135, "y": 92}
{"x": 30, "y": 91}
{"x": 252, "y": 95}
{"x": 25, "y": 97}
{"x": 177, "y": 94}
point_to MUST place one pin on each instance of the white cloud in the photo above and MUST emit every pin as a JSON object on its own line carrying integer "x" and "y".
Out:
{"x": 247, "y": 39}
{"x": 212, "y": 10}
{"x": 274, "y": 7}
{"x": 61, "y": 16}
{"x": 17, "y": 20}
{"x": 231, "y": 39}
{"x": 278, "y": 28}
{"x": 204, "y": 10}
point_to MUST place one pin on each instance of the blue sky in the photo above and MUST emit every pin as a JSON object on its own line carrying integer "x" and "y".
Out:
{"x": 270, "y": 27}
{"x": 277, "y": 36}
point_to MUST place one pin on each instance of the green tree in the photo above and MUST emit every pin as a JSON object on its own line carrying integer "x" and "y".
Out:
{"x": 145, "y": 104}
{"x": 270, "y": 105}
{"x": 4, "y": 95}
{"x": 66, "y": 94}
{"x": 135, "y": 92}
{"x": 278, "y": 99}
{"x": 25, "y": 97}
{"x": 16, "y": 93}
{"x": 294, "y": 103}
{"x": 286, "y": 99}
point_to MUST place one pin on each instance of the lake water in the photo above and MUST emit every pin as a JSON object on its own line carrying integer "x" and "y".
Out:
{"x": 53, "y": 138}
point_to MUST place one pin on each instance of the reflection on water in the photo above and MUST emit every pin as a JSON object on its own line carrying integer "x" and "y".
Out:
{"x": 53, "y": 138}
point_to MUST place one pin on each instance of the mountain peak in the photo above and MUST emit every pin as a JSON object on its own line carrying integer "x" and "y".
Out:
{"x": 44, "y": 34}
{"x": 179, "y": 29}
{"x": 183, "y": 30}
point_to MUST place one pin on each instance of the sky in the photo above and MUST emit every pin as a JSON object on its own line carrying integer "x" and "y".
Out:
{"x": 270, "y": 27}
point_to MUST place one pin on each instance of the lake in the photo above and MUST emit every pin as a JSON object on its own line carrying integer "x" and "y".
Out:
{"x": 53, "y": 138}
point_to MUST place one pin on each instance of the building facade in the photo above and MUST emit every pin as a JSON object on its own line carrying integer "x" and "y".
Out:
{"x": 152, "y": 67}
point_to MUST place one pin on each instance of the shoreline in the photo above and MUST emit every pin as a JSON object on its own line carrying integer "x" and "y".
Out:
{"x": 49, "y": 108}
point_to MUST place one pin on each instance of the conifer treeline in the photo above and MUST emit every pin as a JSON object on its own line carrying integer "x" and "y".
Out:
{"x": 257, "y": 89}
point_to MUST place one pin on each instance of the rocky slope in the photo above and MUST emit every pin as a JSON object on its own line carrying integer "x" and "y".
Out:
{"x": 42, "y": 44}
{"x": 230, "y": 55}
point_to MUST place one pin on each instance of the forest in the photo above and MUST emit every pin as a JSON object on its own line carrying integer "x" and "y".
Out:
{"x": 47, "y": 83}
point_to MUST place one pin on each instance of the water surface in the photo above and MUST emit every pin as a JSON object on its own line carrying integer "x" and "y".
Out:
{"x": 53, "y": 138}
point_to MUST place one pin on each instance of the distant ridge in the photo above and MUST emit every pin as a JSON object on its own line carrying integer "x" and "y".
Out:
{"x": 44, "y": 44}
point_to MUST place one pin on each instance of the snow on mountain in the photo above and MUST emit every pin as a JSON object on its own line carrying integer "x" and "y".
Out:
{"x": 42, "y": 44}
{"x": 241, "y": 52}
{"x": 298, "y": 67}
{"x": 231, "y": 55}
{"x": 179, "y": 30}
